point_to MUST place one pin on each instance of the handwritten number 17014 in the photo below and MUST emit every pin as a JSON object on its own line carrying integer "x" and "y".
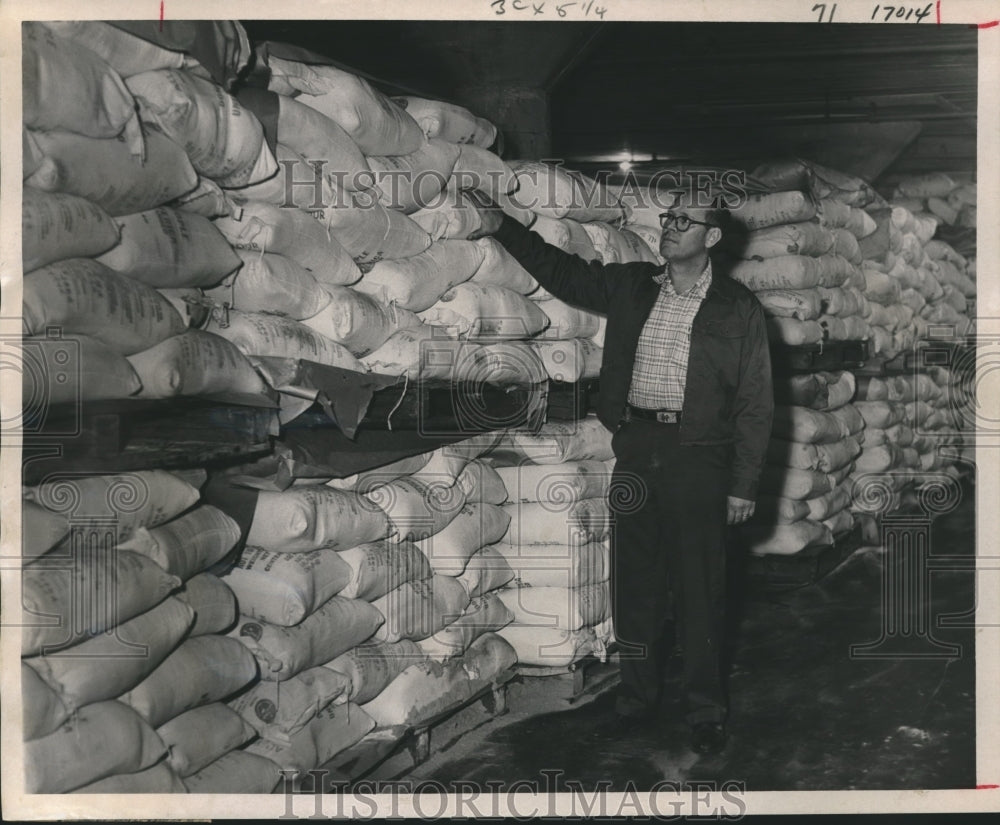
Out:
{"x": 902, "y": 13}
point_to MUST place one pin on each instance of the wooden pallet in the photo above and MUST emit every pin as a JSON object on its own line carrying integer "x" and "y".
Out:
{"x": 944, "y": 352}
{"x": 395, "y": 751}
{"x": 119, "y": 436}
{"x": 774, "y": 573}
{"x": 589, "y": 674}
{"x": 829, "y": 355}
{"x": 571, "y": 402}
{"x": 440, "y": 408}
{"x": 351, "y": 764}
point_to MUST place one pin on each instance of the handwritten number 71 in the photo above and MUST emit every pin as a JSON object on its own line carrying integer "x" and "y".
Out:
{"x": 822, "y": 12}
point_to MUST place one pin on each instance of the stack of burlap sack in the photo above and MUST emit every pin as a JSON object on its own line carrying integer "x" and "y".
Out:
{"x": 126, "y": 667}
{"x": 374, "y": 592}
{"x": 558, "y": 542}
{"x": 805, "y": 494}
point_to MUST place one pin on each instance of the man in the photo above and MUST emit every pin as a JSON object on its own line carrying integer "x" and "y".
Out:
{"x": 685, "y": 386}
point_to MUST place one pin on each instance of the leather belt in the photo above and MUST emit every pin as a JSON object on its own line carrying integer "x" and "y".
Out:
{"x": 660, "y": 416}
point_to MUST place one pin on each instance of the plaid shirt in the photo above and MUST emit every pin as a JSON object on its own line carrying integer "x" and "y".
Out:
{"x": 661, "y": 358}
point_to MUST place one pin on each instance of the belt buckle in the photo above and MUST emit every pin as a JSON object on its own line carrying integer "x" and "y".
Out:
{"x": 666, "y": 417}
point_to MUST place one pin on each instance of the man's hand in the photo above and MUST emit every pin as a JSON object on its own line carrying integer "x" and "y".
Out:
{"x": 740, "y": 509}
{"x": 490, "y": 215}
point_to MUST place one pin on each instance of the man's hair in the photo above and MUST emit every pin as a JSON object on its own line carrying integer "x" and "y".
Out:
{"x": 718, "y": 215}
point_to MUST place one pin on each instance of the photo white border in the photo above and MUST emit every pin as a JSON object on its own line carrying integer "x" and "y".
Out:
{"x": 17, "y": 805}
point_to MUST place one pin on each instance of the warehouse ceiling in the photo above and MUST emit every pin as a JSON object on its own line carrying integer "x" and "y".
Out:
{"x": 880, "y": 101}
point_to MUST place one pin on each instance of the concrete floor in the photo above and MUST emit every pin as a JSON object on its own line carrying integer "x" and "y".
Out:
{"x": 805, "y": 715}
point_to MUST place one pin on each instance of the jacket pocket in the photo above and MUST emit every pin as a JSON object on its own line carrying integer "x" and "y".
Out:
{"x": 718, "y": 346}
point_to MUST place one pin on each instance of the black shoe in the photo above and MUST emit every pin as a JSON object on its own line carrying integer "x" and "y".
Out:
{"x": 708, "y": 738}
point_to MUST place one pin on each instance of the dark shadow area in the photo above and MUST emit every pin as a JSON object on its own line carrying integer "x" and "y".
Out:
{"x": 806, "y": 714}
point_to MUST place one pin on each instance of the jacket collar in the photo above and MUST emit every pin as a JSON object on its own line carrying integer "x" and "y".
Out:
{"x": 718, "y": 285}
{"x": 717, "y": 289}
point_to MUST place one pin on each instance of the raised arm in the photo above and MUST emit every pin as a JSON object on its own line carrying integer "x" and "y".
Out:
{"x": 568, "y": 277}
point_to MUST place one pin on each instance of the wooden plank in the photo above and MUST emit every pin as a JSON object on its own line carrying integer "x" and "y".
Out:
{"x": 400, "y": 748}
{"x": 353, "y": 762}
{"x": 775, "y": 574}
{"x": 578, "y": 671}
{"x": 122, "y": 436}
{"x": 499, "y": 680}
{"x": 436, "y": 408}
{"x": 831, "y": 355}
{"x": 571, "y": 401}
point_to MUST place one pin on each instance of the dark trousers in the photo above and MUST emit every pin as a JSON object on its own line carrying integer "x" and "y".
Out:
{"x": 668, "y": 536}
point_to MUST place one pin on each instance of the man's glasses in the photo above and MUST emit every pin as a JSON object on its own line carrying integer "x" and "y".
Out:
{"x": 682, "y": 222}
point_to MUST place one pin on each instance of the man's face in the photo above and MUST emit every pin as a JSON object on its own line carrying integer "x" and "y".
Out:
{"x": 691, "y": 243}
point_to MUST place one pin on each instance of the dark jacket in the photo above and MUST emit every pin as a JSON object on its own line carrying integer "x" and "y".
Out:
{"x": 728, "y": 396}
